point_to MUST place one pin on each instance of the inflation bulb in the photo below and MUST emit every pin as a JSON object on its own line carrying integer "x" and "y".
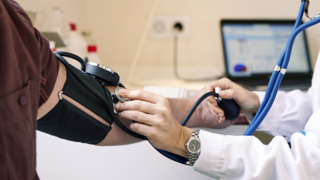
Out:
{"x": 229, "y": 106}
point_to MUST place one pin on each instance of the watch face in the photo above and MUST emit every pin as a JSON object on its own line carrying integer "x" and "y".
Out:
{"x": 194, "y": 145}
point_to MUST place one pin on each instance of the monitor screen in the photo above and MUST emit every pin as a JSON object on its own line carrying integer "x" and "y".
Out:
{"x": 252, "y": 48}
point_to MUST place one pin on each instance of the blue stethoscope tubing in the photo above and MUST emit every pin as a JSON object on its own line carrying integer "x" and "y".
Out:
{"x": 277, "y": 75}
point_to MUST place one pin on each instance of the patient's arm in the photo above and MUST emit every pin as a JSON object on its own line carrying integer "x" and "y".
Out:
{"x": 202, "y": 117}
{"x": 115, "y": 137}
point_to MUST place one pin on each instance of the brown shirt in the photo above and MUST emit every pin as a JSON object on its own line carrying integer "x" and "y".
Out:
{"x": 28, "y": 70}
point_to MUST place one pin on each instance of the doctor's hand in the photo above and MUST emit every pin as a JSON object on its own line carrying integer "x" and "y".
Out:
{"x": 207, "y": 115}
{"x": 247, "y": 100}
{"x": 153, "y": 118}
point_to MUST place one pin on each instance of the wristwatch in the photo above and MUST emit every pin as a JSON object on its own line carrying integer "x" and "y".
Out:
{"x": 193, "y": 146}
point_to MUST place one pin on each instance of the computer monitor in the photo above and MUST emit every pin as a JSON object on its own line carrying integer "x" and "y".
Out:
{"x": 252, "y": 48}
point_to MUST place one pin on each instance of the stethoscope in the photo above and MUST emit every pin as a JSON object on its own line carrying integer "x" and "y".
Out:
{"x": 229, "y": 106}
{"x": 280, "y": 68}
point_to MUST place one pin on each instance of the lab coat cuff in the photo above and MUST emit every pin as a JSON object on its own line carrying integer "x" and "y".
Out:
{"x": 260, "y": 94}
{"x": 210, "y": 160}
{"x": 249, "y": 117}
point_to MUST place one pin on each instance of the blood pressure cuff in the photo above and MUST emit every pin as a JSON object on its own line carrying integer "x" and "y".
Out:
{"x": 67, "y": 121}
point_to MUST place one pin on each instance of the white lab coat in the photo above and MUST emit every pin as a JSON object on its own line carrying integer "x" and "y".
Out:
{"x": 245, "y": 157}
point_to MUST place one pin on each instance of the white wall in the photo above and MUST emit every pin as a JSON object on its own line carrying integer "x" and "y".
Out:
{"x": 118, "y": 26}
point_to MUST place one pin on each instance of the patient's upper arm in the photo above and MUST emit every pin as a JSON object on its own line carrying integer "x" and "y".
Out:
{"x": 115, "y": 137}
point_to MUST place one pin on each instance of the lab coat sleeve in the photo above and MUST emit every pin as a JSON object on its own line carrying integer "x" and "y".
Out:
{"x": 288, "y": 114}
{"x": 245, "y": 157}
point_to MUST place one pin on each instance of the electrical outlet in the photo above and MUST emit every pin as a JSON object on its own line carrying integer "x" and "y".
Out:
{"x": 162, "y": 26}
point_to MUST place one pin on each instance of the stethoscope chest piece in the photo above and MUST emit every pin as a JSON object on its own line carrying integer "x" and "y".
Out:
{"x": 116, "y": 98}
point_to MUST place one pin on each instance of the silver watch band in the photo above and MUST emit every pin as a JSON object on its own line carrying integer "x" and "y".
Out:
{"x": 193, "y": 156}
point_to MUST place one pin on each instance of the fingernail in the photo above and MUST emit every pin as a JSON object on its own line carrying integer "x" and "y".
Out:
{"x": 220, "y": 121}
{"x": 122, "y": 91}
{"x": 117, "y": 106}
{"x": 219, "y": 114}
{"x": 220, "y": 118}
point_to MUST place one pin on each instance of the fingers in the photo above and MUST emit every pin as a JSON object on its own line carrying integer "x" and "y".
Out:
{"x": 223, "y": 83}
{"x": 217, "y": 112}
{"x": 227, "y": 94}
{"x": 140, "y": 95}
{"x": 210, "y": 88}
{"x": 137, "y": 105}
{"x": 139, "y": 117}
{"x": 142, "y": 129}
